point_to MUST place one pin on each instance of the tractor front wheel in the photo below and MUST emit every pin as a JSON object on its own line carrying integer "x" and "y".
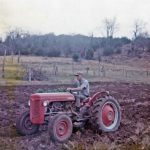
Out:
{"x": 106, "y": 114}
{"x": 24, "y": 125}
{"x": 60, "y": 128}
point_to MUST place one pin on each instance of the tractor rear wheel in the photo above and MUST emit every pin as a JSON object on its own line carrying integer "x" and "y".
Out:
{"x": 60, "y": 128}
{"x": 106, "y": 114}
{"x": 24, "y": 125}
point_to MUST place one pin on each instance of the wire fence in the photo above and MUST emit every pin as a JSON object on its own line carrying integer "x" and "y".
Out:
{"x": 55, "y": 71}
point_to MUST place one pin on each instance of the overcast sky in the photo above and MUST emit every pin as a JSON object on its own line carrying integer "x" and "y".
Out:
{"x": 71, "y": 16}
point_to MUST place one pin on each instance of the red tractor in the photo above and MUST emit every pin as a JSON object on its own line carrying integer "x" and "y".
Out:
{"x": 57, "y": 109}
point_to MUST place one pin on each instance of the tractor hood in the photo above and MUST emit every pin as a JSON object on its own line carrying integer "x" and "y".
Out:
{"x": 60, "y": 96}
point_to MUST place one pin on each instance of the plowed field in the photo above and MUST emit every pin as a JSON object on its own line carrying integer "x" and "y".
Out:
{"x": 134, "y": 131}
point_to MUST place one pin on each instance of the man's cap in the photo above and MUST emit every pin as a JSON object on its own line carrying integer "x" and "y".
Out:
{"x": 78, "y": 73}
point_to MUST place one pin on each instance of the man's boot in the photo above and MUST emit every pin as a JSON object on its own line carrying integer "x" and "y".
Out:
{"x": 80, "y": 117}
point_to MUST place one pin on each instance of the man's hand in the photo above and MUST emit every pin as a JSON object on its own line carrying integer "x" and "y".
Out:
{"x": 69, "y": 89}
{"x": 74, "y": 89}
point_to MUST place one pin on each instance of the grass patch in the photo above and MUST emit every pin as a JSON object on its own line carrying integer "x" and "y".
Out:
{"x": 13, "y": 72}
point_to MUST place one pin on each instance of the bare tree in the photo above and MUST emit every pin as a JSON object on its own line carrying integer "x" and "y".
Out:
{"x": 139, "y": 28}
{"x": 14, "y": 40}
{"x": 140, "y": 35}
{"x": 110, "y": 26}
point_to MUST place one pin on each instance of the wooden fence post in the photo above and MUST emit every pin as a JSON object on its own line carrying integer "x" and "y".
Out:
{"x": 3, "y": 67}
{"x": 12, "y": 57}
{"x": 72, "y": 67}
{"x": 18, "y": 57}
{"x": 87, "y": 70}
{"x": 103, "y": 71}
{"x": 30, "y": 74}
{"x": 55, "y": 69}
{"x": 99, "y": 68}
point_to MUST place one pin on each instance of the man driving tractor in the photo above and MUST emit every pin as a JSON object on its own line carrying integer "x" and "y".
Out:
{"x": 102, "y": 110}
{"x": 82, "y": 90}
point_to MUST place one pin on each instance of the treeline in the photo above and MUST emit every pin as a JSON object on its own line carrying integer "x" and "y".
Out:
{"x": 76, "y": 46}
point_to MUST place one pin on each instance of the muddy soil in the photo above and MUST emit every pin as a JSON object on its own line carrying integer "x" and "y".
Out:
{"x": 134, "y": 131}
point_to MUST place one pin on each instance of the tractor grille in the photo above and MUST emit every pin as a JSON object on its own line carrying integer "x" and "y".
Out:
{"x": 35, "y": 108}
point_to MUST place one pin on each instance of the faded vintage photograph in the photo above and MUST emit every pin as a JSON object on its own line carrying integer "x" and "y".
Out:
{"x": 74, "y": 74}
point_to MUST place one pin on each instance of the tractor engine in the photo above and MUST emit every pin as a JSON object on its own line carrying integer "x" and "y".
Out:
{"x": 56, "y": 107}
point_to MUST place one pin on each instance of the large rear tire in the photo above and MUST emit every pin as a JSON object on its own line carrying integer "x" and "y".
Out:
{"x": 60, "y": 128}
{"x": 24, "y": 125}
{"x": 106, "y": 114}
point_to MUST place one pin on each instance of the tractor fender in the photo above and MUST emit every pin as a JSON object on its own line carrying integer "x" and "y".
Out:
{"x": 101, "y": 94}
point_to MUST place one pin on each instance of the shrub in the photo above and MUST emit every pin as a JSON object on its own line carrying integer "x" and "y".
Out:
{"x": 89, "y": 54}
{"x": 55, "y": 53}
{"x": 118, "y": 51}
{"x": 108, "y": 51}
{"x": 75, "y": 57}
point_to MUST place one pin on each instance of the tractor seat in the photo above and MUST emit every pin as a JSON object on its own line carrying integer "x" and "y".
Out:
{"x": 85, "y": 101}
